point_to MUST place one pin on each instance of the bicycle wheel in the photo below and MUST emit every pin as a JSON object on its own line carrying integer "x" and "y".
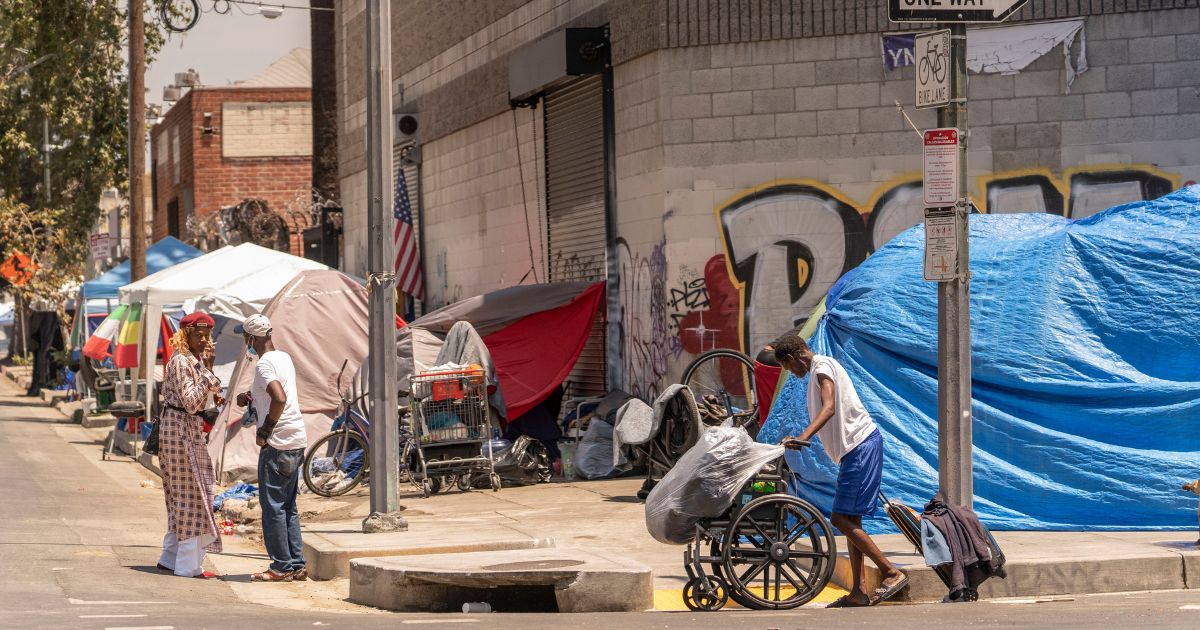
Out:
{"x": 336, "y": 463}
{"x": 723, "y": 384}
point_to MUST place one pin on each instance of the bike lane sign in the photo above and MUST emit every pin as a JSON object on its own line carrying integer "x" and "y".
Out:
{"x": 939, "y": 173}
{"x": 932, "y": 52}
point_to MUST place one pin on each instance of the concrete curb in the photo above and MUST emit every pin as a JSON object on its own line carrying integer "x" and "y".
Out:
{"x": 330, "y": 547}
{"x": 101, "y": 421}
{"x": 581, "y": 581}
{"x": 1108, "y": 563}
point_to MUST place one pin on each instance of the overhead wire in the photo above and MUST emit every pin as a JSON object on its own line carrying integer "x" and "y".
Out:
{"x": 525, "y": 200}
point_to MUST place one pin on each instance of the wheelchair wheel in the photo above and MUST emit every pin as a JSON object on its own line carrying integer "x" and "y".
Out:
{"x": 778, "y": 553}
{"x": 723, "y": 383}
{"x": 697, "y": 600}
{"x": 683, "y": 425}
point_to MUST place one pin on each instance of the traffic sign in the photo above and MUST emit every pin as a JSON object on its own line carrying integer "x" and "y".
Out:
{"x": 100, "y": 244}
{"x": 941, "y": 243}
{"x": 939, "y": 173}
{"x": 932, "y": 52}
{"x": 952, "y": 10}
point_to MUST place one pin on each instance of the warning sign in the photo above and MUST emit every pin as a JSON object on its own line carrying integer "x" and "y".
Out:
{"x": 941, "y": 244}
{"x": 940, "y": 167}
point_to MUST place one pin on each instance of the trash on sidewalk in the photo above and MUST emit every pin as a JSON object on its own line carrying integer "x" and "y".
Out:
{"x": 704, "y": 482}
{"x": 476, "y": 607}
{"x": 146, "y": 483}
{"x": 242, "y": 491}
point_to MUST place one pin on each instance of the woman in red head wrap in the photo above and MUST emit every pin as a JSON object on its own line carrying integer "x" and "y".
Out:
{"x": 189, "y": 386}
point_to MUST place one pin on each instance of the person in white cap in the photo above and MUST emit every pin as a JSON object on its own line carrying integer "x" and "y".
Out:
{"x": 282, "y": 439}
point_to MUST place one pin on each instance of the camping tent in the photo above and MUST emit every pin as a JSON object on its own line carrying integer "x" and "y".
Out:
{"x": 1086, "y": 387}
{"x": 535, "y": 334}
{"x": 167, "y": 252}
{"x": 233, "y": 303}
{"x": 204, "y": 275}
{"x": 99, "y": 295}
{"x": 320, "y": 319}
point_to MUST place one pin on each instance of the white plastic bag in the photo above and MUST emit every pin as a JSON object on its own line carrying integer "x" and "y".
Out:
{"x": 704, "y": 482}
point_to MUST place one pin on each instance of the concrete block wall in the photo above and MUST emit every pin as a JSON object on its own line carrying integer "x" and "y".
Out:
{"x": 820, "y": 113}
{"x": 799, "y": 143}
{"x": 477, "y": 223}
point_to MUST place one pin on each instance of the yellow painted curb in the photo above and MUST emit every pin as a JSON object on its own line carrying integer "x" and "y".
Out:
{"x": 671, "y": 599}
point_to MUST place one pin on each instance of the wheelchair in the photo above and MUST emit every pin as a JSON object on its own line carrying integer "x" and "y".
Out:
{"x": 769, "y": 551}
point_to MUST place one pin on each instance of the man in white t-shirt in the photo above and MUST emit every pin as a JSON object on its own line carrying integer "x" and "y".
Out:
{"x": 854, "y": 443}
{"x": 280, "y": 436}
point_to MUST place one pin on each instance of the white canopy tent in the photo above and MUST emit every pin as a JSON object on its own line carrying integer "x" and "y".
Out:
{"x": 242, "y": 265}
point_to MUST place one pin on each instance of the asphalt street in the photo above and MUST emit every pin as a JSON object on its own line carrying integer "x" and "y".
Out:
{"x": 79, "y": 539}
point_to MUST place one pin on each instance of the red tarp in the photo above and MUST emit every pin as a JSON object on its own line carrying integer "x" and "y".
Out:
{"x": 766, "y": 380}
{"x": 534, "y": 354}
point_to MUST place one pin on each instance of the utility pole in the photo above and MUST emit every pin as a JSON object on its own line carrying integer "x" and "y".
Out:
{"x": 137, "y": 140}
{"x": 385, "y": 435}
{"x": 954, "y": 308}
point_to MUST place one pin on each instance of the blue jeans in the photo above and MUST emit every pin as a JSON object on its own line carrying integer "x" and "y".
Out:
{"x": 278, "y": 483}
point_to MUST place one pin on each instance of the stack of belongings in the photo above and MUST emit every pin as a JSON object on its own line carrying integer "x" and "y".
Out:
{"x": 959, "y": 548}
{"x": 704, "y": 483}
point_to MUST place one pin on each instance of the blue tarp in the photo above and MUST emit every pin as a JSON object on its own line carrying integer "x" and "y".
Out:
{"x": 167, "y": 252}
{"x": 1086, "y": 341}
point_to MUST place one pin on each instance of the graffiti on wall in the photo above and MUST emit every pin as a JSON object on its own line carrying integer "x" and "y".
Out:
{"x": 648, "y": 348}
{"x": 787, "y": 242}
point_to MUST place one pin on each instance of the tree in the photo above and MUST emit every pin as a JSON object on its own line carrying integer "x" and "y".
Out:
{"x": 62, "y": 63}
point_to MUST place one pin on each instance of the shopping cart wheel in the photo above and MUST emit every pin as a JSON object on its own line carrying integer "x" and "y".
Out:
{"x": 464, "y": 482}
{"x": 495, "y": 479}
{"x": 696, "y": 599}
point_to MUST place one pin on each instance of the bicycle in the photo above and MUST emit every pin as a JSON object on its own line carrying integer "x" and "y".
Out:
{"x": 723, "y": 384}
{"x": 341, "y": 460}
{"x": 338, "y": 462}
{"x": 931, "y": 62}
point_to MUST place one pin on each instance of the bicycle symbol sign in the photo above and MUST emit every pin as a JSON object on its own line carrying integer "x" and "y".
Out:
{"x": 933, "y": 69}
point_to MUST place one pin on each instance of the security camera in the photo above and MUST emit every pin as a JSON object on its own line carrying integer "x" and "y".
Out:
{"x": 270, "y": 12}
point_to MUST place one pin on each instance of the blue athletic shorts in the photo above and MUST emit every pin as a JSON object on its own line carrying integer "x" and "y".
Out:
{"x": 859, "y": 477}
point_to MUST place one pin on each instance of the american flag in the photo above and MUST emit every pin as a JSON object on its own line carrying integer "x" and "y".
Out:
{"x": 408, "y": 259}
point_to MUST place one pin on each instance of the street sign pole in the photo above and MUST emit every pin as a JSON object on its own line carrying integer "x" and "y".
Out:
{"x": 954, "y": 308}
{"x": 381, "y": 354}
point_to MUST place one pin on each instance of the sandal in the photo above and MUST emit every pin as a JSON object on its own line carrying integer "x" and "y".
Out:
{"x": 207, "y": 575}
{"x": 271, "y": 576}
{"x": 890, "y": 587}
{"x": 845, "y": 602}
{"x": 165, "y": 569}
{"x": 299, "y": 575}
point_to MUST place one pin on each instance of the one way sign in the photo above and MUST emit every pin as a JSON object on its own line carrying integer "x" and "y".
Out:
{"x": 952, "y": 10}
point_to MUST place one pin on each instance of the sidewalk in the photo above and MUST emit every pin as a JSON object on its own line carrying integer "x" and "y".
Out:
{"x": 604, "y": 517}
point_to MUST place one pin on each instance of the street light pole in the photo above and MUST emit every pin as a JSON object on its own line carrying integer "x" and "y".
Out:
{"x": 954, "y": 308}
{"x": 385, "y": 436}
{"x": 137, "y": 139}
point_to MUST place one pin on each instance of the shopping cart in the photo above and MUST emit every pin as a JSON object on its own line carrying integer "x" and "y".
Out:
{"x": 450, "y": 423}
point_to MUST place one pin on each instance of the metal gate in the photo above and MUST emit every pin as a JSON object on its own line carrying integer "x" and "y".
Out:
{"x": 575, "y": 208}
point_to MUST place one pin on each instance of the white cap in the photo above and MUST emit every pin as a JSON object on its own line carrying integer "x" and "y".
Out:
{"x": 256, "y": 325}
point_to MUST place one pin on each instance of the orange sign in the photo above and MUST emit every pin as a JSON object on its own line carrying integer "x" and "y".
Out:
{"x": 18, "y": 269}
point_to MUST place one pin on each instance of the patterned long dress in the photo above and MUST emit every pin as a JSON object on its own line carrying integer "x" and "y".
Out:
{"x": 187, "y": 470}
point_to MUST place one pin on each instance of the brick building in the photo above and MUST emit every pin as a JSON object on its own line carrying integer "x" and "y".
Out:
{"x": 737, "y": 157}
{"x": 219, "y": 145}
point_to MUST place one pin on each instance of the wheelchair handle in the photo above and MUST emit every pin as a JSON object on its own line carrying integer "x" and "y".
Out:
{"x": 795, "y": 445}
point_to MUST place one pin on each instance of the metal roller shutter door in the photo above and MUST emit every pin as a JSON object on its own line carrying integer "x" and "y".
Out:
{"x": 575, "y": 212}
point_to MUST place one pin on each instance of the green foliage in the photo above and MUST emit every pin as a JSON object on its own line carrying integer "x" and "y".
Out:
{"x": 61, "y": 61}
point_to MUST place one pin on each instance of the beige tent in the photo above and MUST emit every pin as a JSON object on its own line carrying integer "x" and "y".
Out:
{"x": 320, "y": 319}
